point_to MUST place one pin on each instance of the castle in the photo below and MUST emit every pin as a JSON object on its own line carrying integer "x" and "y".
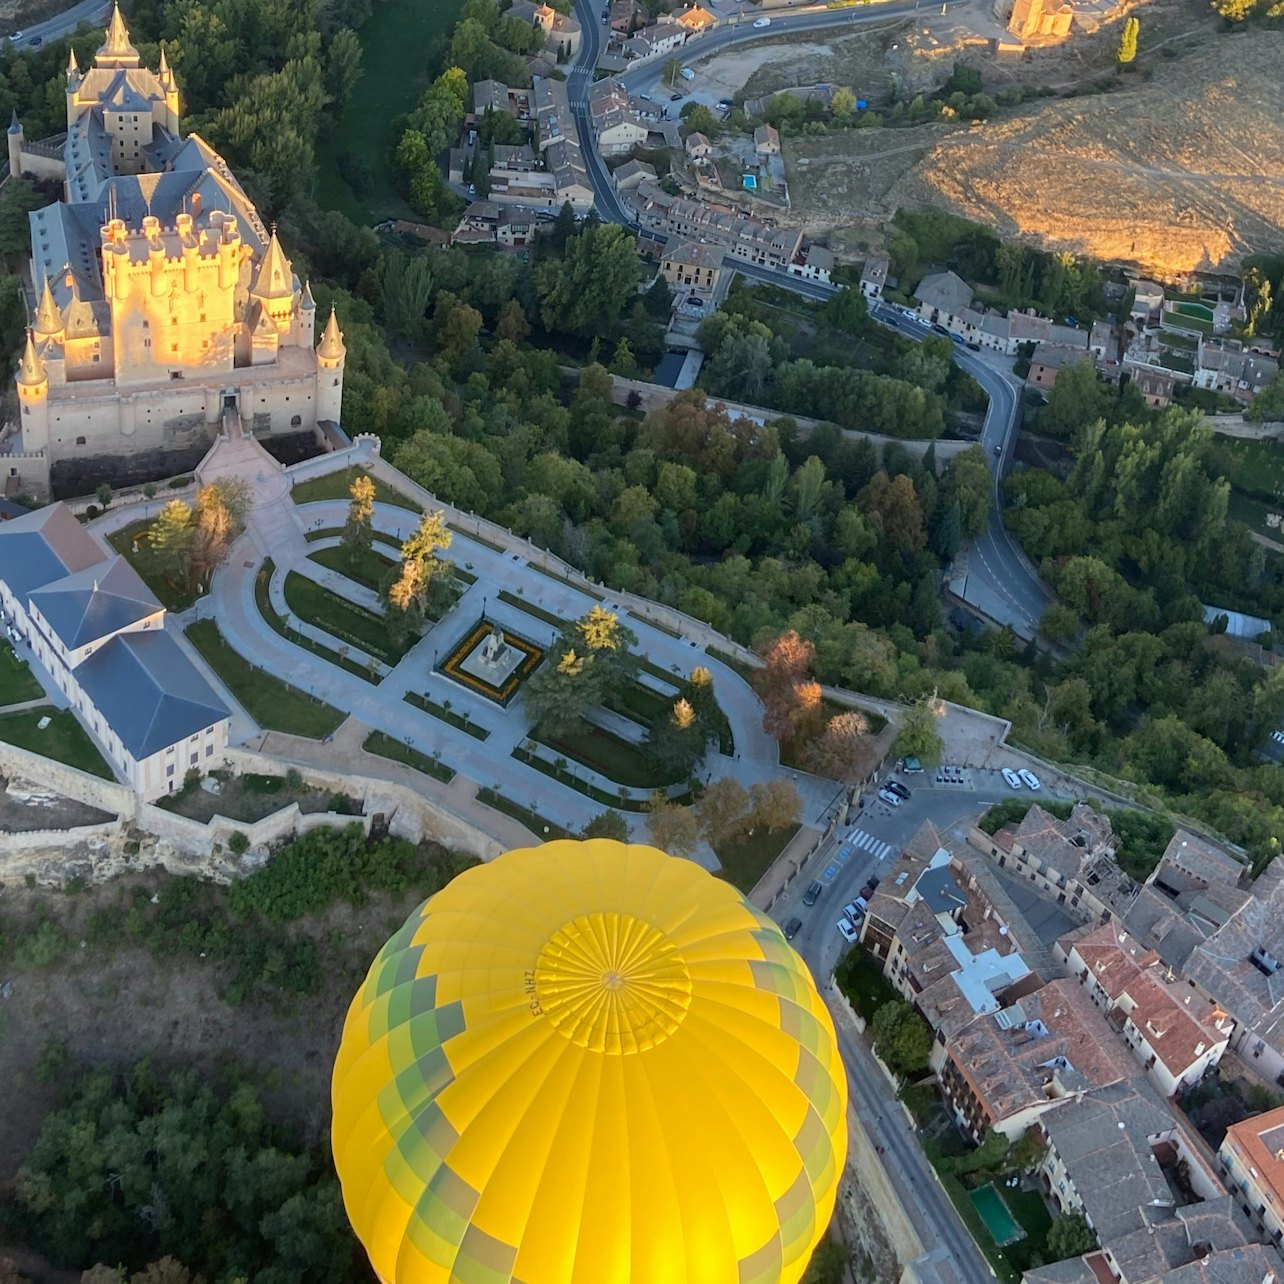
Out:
{"x": 163, "y": 308}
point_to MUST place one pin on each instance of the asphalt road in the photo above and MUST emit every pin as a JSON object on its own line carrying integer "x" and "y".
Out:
{"x": 1000, "y": 579}
{"x": 62, "y": 24}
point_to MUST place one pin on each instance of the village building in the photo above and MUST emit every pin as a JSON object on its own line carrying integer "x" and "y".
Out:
{"x": 1175, "y": 1033}
{"x": 99, "y": 633}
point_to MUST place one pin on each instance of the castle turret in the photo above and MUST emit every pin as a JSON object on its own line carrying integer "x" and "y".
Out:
{"x": 330, "y": 358}
{"x": 305, "y": 324}
{"x": 274, "y": 286}
{"x": 49, "y": 326}
{"x": 33, "y": 395}
{"x": 170, "y": 86}
{"x": 15, "y": 147}
{"x": 117, "y": 51}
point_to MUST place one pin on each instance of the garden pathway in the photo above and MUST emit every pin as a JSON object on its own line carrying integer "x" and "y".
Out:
{"x": 276, "y": 528}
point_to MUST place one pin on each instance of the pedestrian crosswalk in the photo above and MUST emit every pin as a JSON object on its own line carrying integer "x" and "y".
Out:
{"x": 858, "y": 839}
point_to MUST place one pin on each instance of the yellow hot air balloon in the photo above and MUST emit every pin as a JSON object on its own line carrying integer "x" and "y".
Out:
{"x": 589, "y": 1063}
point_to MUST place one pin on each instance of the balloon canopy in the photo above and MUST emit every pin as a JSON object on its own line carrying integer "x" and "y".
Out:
{"x": 589, "y": 1063}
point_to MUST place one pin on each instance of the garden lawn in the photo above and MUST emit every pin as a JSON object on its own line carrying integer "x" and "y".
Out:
{"x": 397, "y": 44}
{"x": 63, "y": 740}
{"x": 861, "y": 979}
{"x": 746, "y": 859}
{"x": 17, "y": 682}
{"x": 368, "y": 567}
{"x": 342, "y": 620}
{"x": 273, "y": 704}
{"x": 620, "y": 762}
{"x": 338, "y": 484}
{"x": 174, "y": 597}
{"x": 377, "y": 742}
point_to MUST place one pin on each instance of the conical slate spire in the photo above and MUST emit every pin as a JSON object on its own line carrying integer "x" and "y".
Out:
{"x": 331, "y": 345}
{"x": 117, "y": 51}
{"x": 14, "y": 127}
{"x": 274, "y": 279}
{"x": 48, "y": 316}
{"x": 31, "y": 371}
{"x": 73, "y": 67}
{"x": 307, "y": 303}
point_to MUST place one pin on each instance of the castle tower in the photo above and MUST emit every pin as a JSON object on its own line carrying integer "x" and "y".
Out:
{"x": 330, "y": 358}
{"x": 273, "y": 286}
{"x": 116, "y": 50}
{"x": 305, "y": 323}
{"x": 15, "y": 147}
{"x": 33, "y": 395}
{"x": 170, "y": 86}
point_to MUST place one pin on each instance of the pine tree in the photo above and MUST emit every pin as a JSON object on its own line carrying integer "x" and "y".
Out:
{"x": 1128, "y": 42}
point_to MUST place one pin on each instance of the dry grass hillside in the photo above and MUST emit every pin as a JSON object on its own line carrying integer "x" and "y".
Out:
{"x": 1185, "y": 170}
{"x": 1181, "y": 167}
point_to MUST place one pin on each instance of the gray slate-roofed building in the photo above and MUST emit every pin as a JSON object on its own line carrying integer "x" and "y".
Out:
{"x": 942, "y": 295}
{"x": 94, "y": 603}
{"x": 98, "y": 632}
{"x": 150, "y": 694}
{"x": 42, "y": 546}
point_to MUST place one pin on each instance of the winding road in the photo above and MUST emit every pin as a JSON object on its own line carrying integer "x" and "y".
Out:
{"x": 999, "y": 580}
{"x": 61, "y": 24}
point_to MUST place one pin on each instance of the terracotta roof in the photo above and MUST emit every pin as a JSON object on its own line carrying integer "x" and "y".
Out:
{"x": 1010, "y": 1058}
{"x": 1260, "y": 1143}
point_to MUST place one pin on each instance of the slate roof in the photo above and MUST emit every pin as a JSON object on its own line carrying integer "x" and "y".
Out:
{"x": 945, "y": 291}
{"x": 95, "y": 602}
{"x": 43, "y": 546}
{"x": 150, "y": 693}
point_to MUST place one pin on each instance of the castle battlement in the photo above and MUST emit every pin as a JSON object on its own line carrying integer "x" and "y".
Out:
{"x": 155, "y": 271}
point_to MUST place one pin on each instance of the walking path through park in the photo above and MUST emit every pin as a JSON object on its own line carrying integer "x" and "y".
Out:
{"x": 276, "y": 529}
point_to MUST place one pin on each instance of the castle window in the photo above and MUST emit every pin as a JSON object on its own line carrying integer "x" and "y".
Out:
{"x": 97, "y": 357}
{"x": 202, "y": 316}
{"x": 80, "y": 441}
{"x": 296, "y": 421}
{"x": 147, "y": 343}
{"x": 173, "y": 347}
{"x": 146, "y": 324}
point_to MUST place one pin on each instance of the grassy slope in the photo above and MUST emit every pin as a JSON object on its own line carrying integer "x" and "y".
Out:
{"x": 395, "y": 42}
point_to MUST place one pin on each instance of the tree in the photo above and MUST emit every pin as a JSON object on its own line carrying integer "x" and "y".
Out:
{"x": 170, "y": 541}
{"x": 672, "y": 829}
{"x": 1027, "y": 1151}
{"x": 103, "y": 494}
{"x": 1059, "y": 624}
{"x": 358, "y": 530}
{"x": 969, "y": 483}
{"x": 588, "y": 664}
{"x": 1128, "y": 41}
{"x": 1268, "y": 405}
{"x": 774, "y": 804}
{"x": 847, "y": 311}
{"x": 219, "y": 517}
{"x": 722, "y": 810}
{"x": 678, "y": 741}
{"x": 658, "y": 300}
{"x": 1076, "y": 399}
{"x": 168, "y": 1270}
{"x": 422, "y": 581}
{"x": 1070, "y": 1236}
{"x": 597, "y": 276}
{"x": 901, "y": 1037}
{"x": 1234, "y": 10}
{"x": 512, "y": 323}
{"x": 608, "y": 824}
{"x": 843, "y": 750}
{"x": 790, "y": 696}
{"x": 918, "y": 736}
{"x": 843, "y": 103}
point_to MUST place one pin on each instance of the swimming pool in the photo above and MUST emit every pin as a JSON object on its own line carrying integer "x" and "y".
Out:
{"x": 1003, "y": 1227}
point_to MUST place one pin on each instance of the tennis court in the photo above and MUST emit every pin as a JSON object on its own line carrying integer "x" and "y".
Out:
{"x": 1003, "y": 1227}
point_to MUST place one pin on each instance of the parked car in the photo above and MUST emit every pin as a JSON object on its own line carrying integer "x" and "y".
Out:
{"x": 1014, "y": 781}
{"x": 1278, "y": 737}
{"x": 940, "y": 329}
{"x": 812, "y": 894}
{"x": 792, "y": 928}
{"x": 889, "y": 798}
{"x": 37, "y": 40}
{"x": 1031, "y": 780}
{"x": 873, "y": 883}
{"x": 762, "y": 22}
{"x": 897, "y": 788}
{"x": 675, "y": 98}
{"x": 848, "y": 931}
{"x": 974, "y": 347}
{"x": 998, "y": 450}
{"x": 855, "y": 910}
